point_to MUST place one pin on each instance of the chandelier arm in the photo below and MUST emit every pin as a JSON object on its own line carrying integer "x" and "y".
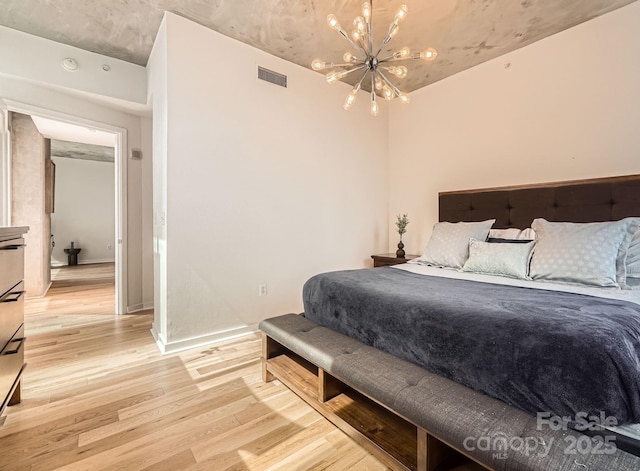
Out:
{"x": 391, "y": 58}
{"x": 362, "y": 79}
{"x": 393, "y": 87}
{"x": 373, "y": 91}
{"x": 386, "y": 41}
{"x": 344, "y": 34}
{"x": 363, "y": 48}
{"x": 347, "y": 64}
{"x": 360, "y": 67}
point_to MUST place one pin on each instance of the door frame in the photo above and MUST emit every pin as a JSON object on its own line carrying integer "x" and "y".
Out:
{"x": 120, "y": 177}
{"x": 5, "y": 165}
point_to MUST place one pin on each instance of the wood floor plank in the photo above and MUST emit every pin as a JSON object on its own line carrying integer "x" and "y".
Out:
{"x": 98, "y": 395}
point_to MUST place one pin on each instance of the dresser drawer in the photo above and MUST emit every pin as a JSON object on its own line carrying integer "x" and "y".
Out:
{"x": 11, "y": 313}
{"x": 11, "y": 363}
{"x": 11, "y": 263}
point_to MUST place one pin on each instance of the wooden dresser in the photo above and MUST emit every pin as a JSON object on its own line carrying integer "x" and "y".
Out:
{"x": 12, "y": 337}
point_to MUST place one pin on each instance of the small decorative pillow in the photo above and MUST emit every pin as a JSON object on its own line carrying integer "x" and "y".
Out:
{"x": 499, "y": 259}
{"x": 586, "y": 253}
{"x": 449, "y": 242}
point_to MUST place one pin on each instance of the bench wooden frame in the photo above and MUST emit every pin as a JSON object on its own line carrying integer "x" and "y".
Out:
{"x": 393, "y": 439}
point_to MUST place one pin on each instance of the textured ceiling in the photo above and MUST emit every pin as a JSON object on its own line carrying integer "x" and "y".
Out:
{"x": 465, "y": 32}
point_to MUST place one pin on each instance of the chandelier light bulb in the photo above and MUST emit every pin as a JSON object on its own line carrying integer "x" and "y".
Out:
{"x": 333, "y": 22}
{"x": 366, "y": 10}
{"x": 400, "y": 72}
{"x": 429, "y": 54}
{"x": 348, "y": 57}
{"x": 359, "y": 24}
{"x": 374, "y": 108}
{"x": 388, "y": 93}
{"x": 393, "y": 30}
{"x": 332, "y": 77}
{"x": 402, "y": 12}
{"x": 355, "y": 35}
{"x": 404, "y": 97}
{"x": 378, "y": 83}
{"x": 350, "y": 100}
{"x": 318, "y": 64}
{"x": 403, "y": 53}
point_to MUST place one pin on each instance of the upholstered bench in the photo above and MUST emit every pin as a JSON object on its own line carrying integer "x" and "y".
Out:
{"x": 413, "y": 419}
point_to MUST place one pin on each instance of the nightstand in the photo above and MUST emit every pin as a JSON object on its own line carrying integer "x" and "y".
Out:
{"x": 388, "y": 259}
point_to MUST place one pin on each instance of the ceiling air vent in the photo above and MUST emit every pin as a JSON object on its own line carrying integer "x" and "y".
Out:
{"x": 272, "y": 77}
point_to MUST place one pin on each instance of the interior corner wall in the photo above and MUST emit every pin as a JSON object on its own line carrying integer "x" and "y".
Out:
{"x": 84, "y": 210}
{"x": 29, "y": 154}
{"x": 146, "y": 190}
{"x": 157, "y": 90}
{"x": 566, "y": 107}
{"x": 264, "y": 185}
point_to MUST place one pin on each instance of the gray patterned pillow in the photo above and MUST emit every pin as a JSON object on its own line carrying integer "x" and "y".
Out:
{"x": 449, "y": 243}
{"x": 633, "y": 257}
{"x": 499, "y": 259}
{"x": 587, "y": 253}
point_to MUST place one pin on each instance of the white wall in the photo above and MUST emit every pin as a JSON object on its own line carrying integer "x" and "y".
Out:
{"x": 263, "y": 184}
{"x": 84, "y": 210}
{"x": 566, "y": 107}
{"x": 40, "y": 87}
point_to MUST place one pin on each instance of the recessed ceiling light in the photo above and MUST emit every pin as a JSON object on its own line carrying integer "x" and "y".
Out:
{"x": 69, "y": 64}
{"x": 106, "y": 67}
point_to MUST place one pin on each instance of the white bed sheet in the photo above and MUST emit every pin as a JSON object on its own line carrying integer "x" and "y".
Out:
{"x": 611, "y": 293}
{"x": 631, "y": 430}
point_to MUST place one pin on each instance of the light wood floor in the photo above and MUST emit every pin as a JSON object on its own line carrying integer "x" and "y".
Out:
{"x": 97, "y": 394}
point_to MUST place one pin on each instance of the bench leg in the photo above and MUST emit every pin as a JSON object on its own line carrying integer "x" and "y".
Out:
{"x": 270, "y": 349}
{"x": 328, "y": 386}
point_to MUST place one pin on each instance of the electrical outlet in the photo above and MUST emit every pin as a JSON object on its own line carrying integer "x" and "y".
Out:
{"x": 262, "y": 290}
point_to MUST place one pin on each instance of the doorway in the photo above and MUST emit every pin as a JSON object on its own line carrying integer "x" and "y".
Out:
{"x": 62, "y": 127}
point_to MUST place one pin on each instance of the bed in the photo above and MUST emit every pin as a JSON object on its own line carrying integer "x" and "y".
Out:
{"x": 551, "y": 349}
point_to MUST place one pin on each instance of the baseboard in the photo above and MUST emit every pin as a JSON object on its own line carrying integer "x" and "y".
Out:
{"x": 160, "y": 340}
{"x": 204, "y": 340}
{"x": 41, "y": 295}
{"x": 84, "y": 262}
{"x": 139, "y": 307}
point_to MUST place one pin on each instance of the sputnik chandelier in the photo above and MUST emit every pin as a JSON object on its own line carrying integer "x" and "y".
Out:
{"x": 366, "y": 58}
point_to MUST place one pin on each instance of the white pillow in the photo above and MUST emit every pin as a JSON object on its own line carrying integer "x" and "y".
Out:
{"x": 528, "y": 234}
{"x": 449, "y": 242}
{"x": 510, "y": 260}
{"x": 586, "y": 253}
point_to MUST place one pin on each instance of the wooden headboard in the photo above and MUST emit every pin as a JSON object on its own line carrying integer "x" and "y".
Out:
{"x": 595, "y": 200}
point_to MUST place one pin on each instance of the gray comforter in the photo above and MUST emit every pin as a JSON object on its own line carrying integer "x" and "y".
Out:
{"x": 541, "y": 351}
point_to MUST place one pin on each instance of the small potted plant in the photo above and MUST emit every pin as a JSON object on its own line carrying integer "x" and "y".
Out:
{"x": 401, "y": 226}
